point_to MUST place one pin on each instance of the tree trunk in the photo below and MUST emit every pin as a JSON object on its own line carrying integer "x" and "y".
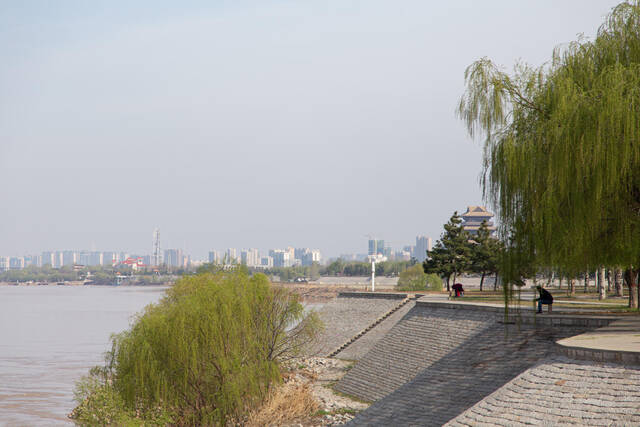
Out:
{"x": 586, "y": 282}
{"x": 482, "y": 281}
{"x": 631, "y": 279}
{"x": 454, "y": 277}
{"x": 495, "y": 282}
{"x": 617, "y": 281}
{"x": 448, "y": 287}
{"x": 572, "y": 287}
{"x": 608, "y": 281}
{"x": 602, "y": 290}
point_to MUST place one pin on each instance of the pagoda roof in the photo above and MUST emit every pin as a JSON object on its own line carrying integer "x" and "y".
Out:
{"x": 477, "y": 211}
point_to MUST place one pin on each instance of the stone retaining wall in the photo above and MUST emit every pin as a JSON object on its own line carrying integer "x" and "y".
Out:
{"x": 382, "y": 295}
{"x": 358, "y": 349}
{"x": 347, "y": 315}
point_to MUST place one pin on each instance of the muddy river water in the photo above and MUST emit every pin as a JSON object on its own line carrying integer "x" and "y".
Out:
{"x": 49, "y": 337}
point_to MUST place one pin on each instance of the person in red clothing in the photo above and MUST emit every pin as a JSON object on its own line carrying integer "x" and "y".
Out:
{"x": 458, "y": 290}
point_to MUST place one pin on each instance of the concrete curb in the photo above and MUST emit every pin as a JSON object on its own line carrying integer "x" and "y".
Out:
{"x": 620, "y": 357}
{"x": 525, "y": 317}
{"x": 384, "y": 295}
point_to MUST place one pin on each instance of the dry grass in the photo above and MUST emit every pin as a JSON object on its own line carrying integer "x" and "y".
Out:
{"x": 286, "y": 404}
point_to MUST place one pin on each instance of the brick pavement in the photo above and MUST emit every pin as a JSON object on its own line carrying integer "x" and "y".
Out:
{"x": 562, "y": 391}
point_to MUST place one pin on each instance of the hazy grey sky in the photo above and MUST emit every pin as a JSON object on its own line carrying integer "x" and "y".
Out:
{"x": 249, "y": 124}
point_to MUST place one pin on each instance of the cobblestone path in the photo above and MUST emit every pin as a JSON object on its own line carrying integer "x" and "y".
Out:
{"x": 561, "y": 391}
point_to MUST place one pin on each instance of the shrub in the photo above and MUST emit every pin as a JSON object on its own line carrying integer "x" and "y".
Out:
{"x": 415, "y": 279}
{"x": 207, "y": 353}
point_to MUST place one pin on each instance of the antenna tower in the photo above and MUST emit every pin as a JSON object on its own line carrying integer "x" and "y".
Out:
{"x": 156, "y": 247}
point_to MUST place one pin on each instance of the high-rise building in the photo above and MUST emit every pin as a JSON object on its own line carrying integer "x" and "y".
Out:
{"x": 173, "y": 258}
{"x": 4, "y": 263}
{"x": 57, "y": 259}
{"x": 95, "y": 258}
{"x": 372, "y": 247}
{"x": 47, "y": 259}
{"x": 30, "y": 260}
{"x": 266, "y": 262}
{"x": 292, "y": 254}
{"x": 310, "y": 256}
{"x": 281, "y": 258}
{"x": 473, "y": 217}
{"x": 109, "y": 258}
{"x": 423, "y": 244}
{"x": 299, "y": 253}
{"x": 376, "y": 247}
{"x": 69, "y": 258}
{"x": 16, "y": 263}
{"x": 250, "y": 257}
{"x": 231, "y": 256}
{"x": 214, "y": 257}
{"x": 84, "y": 258}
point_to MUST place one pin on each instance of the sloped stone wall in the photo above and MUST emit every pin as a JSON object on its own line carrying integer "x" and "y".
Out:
{"x": 424, "y": 336}
{"x": 347, "y": 315}
{"x": 359, "y": 348}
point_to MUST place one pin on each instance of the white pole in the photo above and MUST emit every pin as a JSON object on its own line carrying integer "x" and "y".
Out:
{"x": 373, "y": 275}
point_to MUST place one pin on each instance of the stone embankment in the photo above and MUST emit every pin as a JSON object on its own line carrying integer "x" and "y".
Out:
{"x": 357, "y": 348}
{"x": 443, "y": 358}
{"x": 349, "y": 314}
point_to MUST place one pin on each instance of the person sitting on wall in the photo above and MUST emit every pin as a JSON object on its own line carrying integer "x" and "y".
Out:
{"x": 458, "y": 290}
{"x": 545, "y": 298}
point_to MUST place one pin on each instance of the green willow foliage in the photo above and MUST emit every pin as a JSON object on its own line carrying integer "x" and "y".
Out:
{"x": 562, "y": 149}
{"x": 209, "y": 350}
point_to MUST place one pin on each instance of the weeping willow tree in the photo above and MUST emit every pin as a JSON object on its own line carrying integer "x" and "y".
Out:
{"x": 562, "y": 150}
{"x": 205, "y": 355}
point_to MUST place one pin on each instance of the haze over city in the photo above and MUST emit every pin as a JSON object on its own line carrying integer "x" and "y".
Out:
{"x": 249, "y": 124}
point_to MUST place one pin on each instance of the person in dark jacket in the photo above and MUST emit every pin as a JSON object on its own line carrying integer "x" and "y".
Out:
{"x": 545, "y": 298}
{"x": 458, "y": 289}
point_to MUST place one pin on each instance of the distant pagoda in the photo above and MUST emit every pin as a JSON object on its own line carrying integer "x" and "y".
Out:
{"x": 473, "y": 217}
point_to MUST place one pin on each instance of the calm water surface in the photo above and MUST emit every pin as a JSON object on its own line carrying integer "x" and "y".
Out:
{"x": 49, "y": 337}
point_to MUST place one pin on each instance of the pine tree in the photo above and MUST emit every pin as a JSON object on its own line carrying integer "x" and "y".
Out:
{"x": 452, "y": 253}
{"x": 485, "y": 253}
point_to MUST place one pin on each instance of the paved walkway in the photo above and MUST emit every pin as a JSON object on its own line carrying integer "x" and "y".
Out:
{"x": 561, "y": 391}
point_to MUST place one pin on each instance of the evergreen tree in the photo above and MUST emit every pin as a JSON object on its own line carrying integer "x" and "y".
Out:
{"x": 485, "y": 253}
{"x": 451, "y": 254}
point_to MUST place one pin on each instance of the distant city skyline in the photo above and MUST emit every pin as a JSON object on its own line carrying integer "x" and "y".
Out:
{"x": 175, "y": 257}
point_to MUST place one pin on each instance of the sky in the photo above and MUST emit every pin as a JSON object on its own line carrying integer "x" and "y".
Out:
{"x": 249, "y": 124}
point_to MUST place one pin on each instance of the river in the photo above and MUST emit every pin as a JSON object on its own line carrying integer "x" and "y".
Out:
{"x": 49, "y": 337}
